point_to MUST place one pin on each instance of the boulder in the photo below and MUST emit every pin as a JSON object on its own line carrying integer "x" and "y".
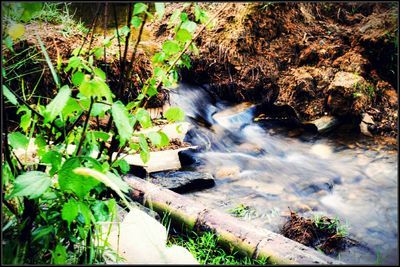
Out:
{"x": 182, "y": 181}
{"x": 347, "y": 94}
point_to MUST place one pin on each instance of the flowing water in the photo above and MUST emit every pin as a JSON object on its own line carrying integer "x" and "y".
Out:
{"x": 259, "y": 167}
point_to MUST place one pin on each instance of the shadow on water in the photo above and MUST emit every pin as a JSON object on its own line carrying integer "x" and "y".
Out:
{"x": 257, "y": 166}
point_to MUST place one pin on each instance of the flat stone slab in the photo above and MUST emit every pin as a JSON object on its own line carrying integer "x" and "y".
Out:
{"x": 182, "y": 181}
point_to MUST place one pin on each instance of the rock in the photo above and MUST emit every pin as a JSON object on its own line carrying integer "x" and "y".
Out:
{"x": 188, "y": 157}
{"x": 227, "y": 171}
{"x": 250, "y": 148}
{"x": 182, "y": 181}
{"x": 236, "y": 116}
{"x": 325, "y": 123}
{"x": 365, "y": 124}
{"x": 346, "y": 94}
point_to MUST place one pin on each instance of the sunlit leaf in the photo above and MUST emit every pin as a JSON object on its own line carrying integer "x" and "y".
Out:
{"x": 183, "y": 35}
{"x": 70, "y": 211}
{"x": 16, "y": 31}
{"x": 59, "y": 255}
{"x": 58, "y": 103}
{"x": 139, "y": 8}
{"x": 190, "y": 26}
{"x": 99, "y": 73}
{"x": 31, "y": 184}
{"x": 155, "y": 138}
{"x": 174, "y": 114}
{"x": 121, "y": 120}
{"x": 77, "y": 78}
{"x": 170, "y": 47}
{"x": 144, "y": 153}
{"x": 136, "y": 21}
{"x": 9, "y": 96}
{"x": 18, "y": 140}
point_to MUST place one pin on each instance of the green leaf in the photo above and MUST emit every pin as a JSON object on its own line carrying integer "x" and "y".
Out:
{"x": 101, "y": 135}
{"x": 174, "y": 114}
{"x": 9, "y": 44}
{"x": 144, "y": 118}
{"x": 99, "y": 109}
{"x": 164, "y": 139}
{"x": 57, "y": 104}
{"x": 70, "y": 211}
{"x": 30, "y": 10}
{"x": 99, "y": 73}
{"x": 184, "y": 17}
{"x": 31, "y": 184}
{"x": 10, "y": 96}
{"x": 183, "y": 35}
{"x": 136, "y": 21}
{"x": 158, "y": 57}
{"x": 73, "y": 63}
{"x": 124, "y": 31}
{"x": 77, "y": 78}
{"x": 96, "y": 87}
{"x": 160, "y": 10}
{"x": 121, "y": 120}
{"x": 54, "y": 158}
{"x": 100, "y": 211}
{"x": 98, "y": 52}
{"x": 71, "y": 107}
{"x": 18, "y": 140}
{"x": 170, "y": 47}
{"x": 71, "y": 182}
{"x": 42, "y": 231}
{"x": 155, "y": 138}
{"x": 16, "y": 30}
{"x": 174, "y": 17}
{"x": 190, "y": 26}
{"x": 59, "y": 255}
{"x": 144, "y": 153}
{"x": 26, "y": 119}
{"x": 139, "y": 8}
{"x": 123, "y": 164}
{"x": 41, "y": 144}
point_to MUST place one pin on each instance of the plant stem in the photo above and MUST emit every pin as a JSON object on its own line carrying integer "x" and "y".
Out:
{"x": 83, "y": 136}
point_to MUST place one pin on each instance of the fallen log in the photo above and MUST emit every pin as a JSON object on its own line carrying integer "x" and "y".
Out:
{"x": 245, "y": 238}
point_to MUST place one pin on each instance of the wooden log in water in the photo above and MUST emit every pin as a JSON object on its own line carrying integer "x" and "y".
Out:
{"x": 244, "y": 237}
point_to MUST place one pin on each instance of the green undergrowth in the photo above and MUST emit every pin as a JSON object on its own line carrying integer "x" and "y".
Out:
{"x": 206, "y": 250}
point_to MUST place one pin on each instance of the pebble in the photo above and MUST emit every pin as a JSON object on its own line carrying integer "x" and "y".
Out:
{"x": 227, "y": 171}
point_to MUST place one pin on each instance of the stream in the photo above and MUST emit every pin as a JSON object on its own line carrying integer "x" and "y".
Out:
{"x": 257, "y": 166}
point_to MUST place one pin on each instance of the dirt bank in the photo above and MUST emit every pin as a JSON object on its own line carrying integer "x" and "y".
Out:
{"x": 320, "y": 58}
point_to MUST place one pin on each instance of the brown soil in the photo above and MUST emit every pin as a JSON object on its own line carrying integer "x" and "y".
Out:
{"x": 306, "y": 232}
{"x": 289, "y": 53}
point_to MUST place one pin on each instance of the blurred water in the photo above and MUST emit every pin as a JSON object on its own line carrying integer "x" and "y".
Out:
{"x": 271, "y": 172}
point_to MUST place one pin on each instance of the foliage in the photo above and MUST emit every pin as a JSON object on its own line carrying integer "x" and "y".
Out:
{"x": 206, "y": 250}
{"x": 242, "y": 210}
{"x": 332, "y": 225}
{"x": 61, "y": 177}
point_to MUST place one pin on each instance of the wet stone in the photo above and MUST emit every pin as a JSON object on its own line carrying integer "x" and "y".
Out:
{"x": 182, "y": 181}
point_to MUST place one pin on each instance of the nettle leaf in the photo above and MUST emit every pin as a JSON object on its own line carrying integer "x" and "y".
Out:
{"x": 144, "y": 118}
{"x": 18, "y": 140}
{"x": 99, "y": 109}
{"x": 59, "y": 255}
{"x": 100, "y": 211}
{"x": 190, "y": 26}
{"x": 164, "y": 139}
{"x": 158, "y": 57}
{"x": 26, "y": 119}
{"x": 174, "y": 114}
{"x": 123, "y": 164}
{"x": 183, "y": 35}
{"x": 100, "y": 73}
{"x": 77, "y": 78}
{"x": 16, "y": 31}
{"x": 101, "y": 135}
{"x": 155, "y": 138}
{"x": 144, "y": 153}
{"x": 57, "y": 104}
{"x": 139, "y": 8}
{"x": 121, "y": 120}
{"x": 71, "y": 107}
{"x": 70, "y": 211}
{"x": 73, "y": 63}
{"x": 160, "y": 10}
{"x": 136, "y": 21}
{"x": 170, "y": 47}
{"x": 9, "y": 96}
{"x": 96, "y": 87}
{"x": 31, "y": 184}
{"x": 70, "y": 182}
{"x": 54, "y": 158}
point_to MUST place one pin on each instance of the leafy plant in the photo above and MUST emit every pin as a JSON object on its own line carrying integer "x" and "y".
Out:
{"x": 243, "y": 210}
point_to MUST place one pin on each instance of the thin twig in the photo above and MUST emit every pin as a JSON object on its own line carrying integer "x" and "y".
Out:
{"x": 90, "y": 29}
